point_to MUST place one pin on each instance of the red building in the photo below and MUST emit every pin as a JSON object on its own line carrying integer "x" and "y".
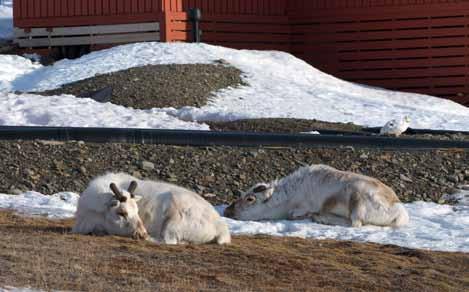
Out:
{"x": 410, "y": 45}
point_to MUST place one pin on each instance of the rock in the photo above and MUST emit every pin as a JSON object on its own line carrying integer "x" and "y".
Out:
{"x": 172, "y": 177}
{"x": 15, "y": 191}
{"x": 83, "y": 170}
{"x": 147, "y": 165}
{"x": 453, "y": 178}
{"x": 51, "y": 143}
{"x": 405, "y": 178}
{"x": 210, "y": 178}
{"x": 199, "y": 188}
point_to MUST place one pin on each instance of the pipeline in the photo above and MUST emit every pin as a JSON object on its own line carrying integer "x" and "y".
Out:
{"x": 212, "y": 138}
{"x": 411, "y": 131}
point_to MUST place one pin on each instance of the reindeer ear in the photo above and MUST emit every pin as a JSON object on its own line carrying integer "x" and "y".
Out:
{"x": 137, "y": 198}
{"x": 259, "y": 189}
{"x": 132, "y": 188}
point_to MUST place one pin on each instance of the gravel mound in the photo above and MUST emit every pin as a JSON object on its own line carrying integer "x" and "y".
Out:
{"x": 282, "y": 125}
{"x": 50, "y": 167}
{"x": 158, "y": 85}
{"x": 273, "y": 125}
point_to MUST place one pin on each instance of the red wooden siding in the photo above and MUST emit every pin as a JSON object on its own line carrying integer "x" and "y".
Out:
{"x": 412, "y": 45}
{"x": 49, "y": 13}
{"x": 423, "y": 48}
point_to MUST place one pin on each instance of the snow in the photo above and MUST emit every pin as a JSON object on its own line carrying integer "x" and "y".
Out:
{"x": 6, "y": 19}
{"x": 67, "y": 110}
{"x": 57, "y": 206}
{"x": 280, "y": 86}
{"x": 433, "y": 226}
{"x": 15, "y": 289}
{"x": 13, "y": 67}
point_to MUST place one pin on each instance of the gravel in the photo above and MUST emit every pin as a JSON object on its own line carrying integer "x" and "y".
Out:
{"x": 274, "y": 125}
{"x": 158, "y": 85}
{"x": 50, "y": 167}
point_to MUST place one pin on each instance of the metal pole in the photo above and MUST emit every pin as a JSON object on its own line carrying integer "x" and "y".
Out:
{"x": 195, "y": 15}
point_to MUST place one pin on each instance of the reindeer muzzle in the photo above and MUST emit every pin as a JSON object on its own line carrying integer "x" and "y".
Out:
{"x": 141, "y": 232}
{"x": 230, "y": 211}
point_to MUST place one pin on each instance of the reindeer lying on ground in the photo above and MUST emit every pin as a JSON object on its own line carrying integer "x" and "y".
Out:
{"x": 119, "y": 204}
{"x": 324, "y": 194}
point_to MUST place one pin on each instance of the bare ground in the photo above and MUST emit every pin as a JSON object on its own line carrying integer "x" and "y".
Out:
{"x": 41, "y": 253}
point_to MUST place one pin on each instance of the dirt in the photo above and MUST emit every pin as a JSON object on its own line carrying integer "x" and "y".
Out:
{"x": 158, "y": 85}
{"x": 50, "y": 167}
{"x": 43, "y": 254}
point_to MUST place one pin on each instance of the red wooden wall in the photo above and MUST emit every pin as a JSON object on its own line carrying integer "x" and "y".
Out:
{"x": 44, "y": 13}
{"x": 411, "y": 45}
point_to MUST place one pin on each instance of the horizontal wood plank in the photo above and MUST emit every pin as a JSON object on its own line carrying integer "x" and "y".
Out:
{"x": 87, "y": 30}
{"x": 88, "y": 40}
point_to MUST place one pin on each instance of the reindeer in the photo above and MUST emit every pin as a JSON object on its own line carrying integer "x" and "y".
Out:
{"x": 325, "y": 195}
{"x": 154, "y": 210}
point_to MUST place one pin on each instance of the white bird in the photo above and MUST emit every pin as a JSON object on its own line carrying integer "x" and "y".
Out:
{"x": 395, "y": 127}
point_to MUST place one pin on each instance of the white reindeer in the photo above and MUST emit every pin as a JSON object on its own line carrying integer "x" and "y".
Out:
{"x": 153, "y": 210}
{"x": 324, "y": 194}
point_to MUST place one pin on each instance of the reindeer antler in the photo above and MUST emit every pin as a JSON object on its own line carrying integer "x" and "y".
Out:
{"x": 117, "y": 193}
{"x": 132, "y": 188}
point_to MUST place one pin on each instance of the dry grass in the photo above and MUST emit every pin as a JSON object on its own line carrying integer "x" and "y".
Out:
{"x": 43, "y": 254}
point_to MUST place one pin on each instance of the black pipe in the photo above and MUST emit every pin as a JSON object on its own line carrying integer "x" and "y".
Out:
{"x": 419, "y": 131}
{"x": 212, "y": 138}
{"x": 195, "y": 16}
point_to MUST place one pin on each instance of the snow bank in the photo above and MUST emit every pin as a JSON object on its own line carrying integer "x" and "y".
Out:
{"x": 69, "y": 111}
{"x": 13, "y": 67}
{"x": 58, "y": 206}
{"x": 280, "y": 85}
{"x": 6, "y": 19}
{"x": 433, "y": 226}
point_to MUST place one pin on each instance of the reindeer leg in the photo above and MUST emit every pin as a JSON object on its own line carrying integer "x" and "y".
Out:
{"x": 330, "y": 219}
{"x": 357, "y": 210}
{"x": 299, "y": 214}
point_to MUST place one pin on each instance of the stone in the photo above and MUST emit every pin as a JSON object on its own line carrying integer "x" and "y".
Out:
{"x": 147, "y": 165}
{"x": 83, "y": 170}
{"x": 363, "y": 156}
{"x": 405, "y": 178}
{"x": 453, "y": 178}
{"x": 50, "y": 143}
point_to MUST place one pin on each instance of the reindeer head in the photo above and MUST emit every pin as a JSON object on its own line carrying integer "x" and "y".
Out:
{"x": 122, "y": 216}
{"x": 252, "y": 203}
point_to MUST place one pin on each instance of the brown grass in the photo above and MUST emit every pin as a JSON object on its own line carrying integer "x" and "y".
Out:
{"x": 41, "y": 253}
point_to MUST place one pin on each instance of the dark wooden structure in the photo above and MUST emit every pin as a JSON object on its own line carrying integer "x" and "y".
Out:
{"x": 411, "y": 45}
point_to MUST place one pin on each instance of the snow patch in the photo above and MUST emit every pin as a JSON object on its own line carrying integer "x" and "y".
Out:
{"x": 69, "y": 111}
{"x": 15, "y": 289}
{"x": 57, "y": 206}
{"x": 432, "y": 226}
